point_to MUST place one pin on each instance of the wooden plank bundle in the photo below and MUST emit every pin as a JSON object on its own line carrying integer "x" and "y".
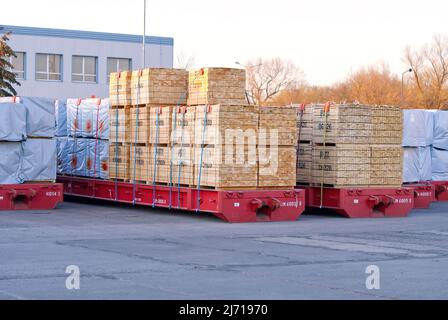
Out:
{"x": 119, "y": 124}
{"x": 304, "y": 163}
{"x": 357, "y": 145}
{"x": 160, "y": 124}
{"x": 120, "y": 88}
{"x": 358, "y": 124}
{"x": 217, "y": 86}
{"x": 226, "y": 146}
{"x": 277, "y": 147}
{"x": 159, "y": 86}
{"x": 119, "y": 161}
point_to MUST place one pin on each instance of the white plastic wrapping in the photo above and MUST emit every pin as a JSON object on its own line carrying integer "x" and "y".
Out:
{"x": 88, "y": 118}
{"x": 441, "y": 130}
{"x": 12, "y": 122}
{"x": 85, "y": 158}
{"x": 417, "y": 164}
{"x": 10, "y": 162}
{"x": 439, "y": 164}
{"x": 39, "y": 160}
{"x": 61, "y": 143}
{"x": 61, "y": 118}
{"x": 41, "y": 120}
{"x": 418, "y": 128}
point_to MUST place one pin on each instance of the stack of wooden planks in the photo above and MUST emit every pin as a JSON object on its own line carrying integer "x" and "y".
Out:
{"x": 357, "y": 145}
{"x": 120, "y": 88}
{"x": 223, "y": 86}
{"x": 226, "y": 146}
{"x": 160, "y": 86}
{"x": 277, "y": 147}
{"x": 305, "y": 145}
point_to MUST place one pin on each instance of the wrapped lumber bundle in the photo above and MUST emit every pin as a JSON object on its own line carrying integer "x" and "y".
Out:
{"x": 418, "y": 128}
{"x": 356, "y": 145}
{"x": 88, "y": 118}
{"x": 441, "y": 130}
{"x": 226, "y": 141}
{"x": 139, "y": 125}
{"x": 120, "y": 89}
{"x": 159, "y": 86}
{"x": 119, "y": 162}
{"x": 217, "y": 86}
{"x": 61, "y": 145}
{"x": 86, "y": 158}
{"x": 12, "y": 122}
{"x": 439, "y": 164}
{"x": 39, "y": 161}
{"x": 277, "y": 147}
{"x": 11, "y": 154}
{"x": 160, "y": 125}
{"x": 40, "y": 115}
{"x": 61, "y": 118}
{"x": 417, "y": 165}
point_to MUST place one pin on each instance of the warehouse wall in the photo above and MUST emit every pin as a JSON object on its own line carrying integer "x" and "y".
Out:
{"x": 158, "y": 55}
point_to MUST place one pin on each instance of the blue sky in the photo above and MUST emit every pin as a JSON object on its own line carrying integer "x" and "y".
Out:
{"x": 327, "y": 39}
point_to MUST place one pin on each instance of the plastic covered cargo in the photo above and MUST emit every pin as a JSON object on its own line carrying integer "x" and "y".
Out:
{"x": 41, "y": 120}
{"x": 10, "y": 162}
{"x": 88, "y": 118}
{"x": 12, "y": 122}
{"x": 439, "y": 164}
{"x": 61, "y": 143}
{"x": 418, "y": 128}
{"x": 441, "y": 130}
{"x": 39, "y": 160}
{"x": 417, "y": 165}
{"x": 61, "y": 118}
{"x": 86, "y": 158}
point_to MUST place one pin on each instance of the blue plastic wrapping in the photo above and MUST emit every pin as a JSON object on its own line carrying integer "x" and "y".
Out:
{"x": 61, "y": 118}
{"x": 88, "y": 118}
{"x": 12, "y": 122}
{"x": 418, "y": 128}
{"x": 417, "y": 165}
{"x": 61, "y": 143}
{"x": 439, "y": 164}
{"x": 86, "y": 158}
{"x": 39, "y": 160}
{"x": 10, "y": 162}
{"x": 441, "y": 130}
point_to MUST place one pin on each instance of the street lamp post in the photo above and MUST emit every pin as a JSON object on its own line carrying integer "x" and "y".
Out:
{"x": 402, "y": 84}
{"x": 144, "y": 36}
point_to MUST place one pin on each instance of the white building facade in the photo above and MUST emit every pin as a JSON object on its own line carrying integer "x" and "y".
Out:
{"x": 76, "y": 64}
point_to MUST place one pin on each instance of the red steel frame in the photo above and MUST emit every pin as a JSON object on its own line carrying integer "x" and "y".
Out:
{"x": 424, "y": 194}
{"x": 231, "y": 206}
{"x": 363, "y": 202}
{"x": 441, "y": 190}
{"x": 31, "y": 196}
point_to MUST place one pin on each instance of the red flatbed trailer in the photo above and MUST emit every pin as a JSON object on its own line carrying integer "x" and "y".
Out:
{"x": 363, "y": 202}
{"x": 441, "y": 190}
{"x": 237, "y": 206}
{"x": 424, "y": 194}
{"x": 36, "y": 196}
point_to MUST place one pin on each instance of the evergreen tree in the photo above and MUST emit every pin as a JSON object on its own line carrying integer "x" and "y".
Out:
{"x": 7, "y": 76}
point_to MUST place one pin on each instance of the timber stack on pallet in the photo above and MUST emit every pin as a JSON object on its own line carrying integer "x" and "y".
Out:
{"x": 305, "y": 145}
{"x": 141, "y": 124}
{"x": 356, "y": 145}
{"x": 277, "y": 147}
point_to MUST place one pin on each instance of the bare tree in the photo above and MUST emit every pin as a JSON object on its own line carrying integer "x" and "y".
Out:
{"x": 267, "y": 78}
{"x": 185, "y": 60}
{"x": 430, "y": 72}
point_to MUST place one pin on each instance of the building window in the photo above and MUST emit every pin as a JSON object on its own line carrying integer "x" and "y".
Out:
{"x": 84, "y": 69}
{"x": 49, "y": 67}
{"x": 117, "y": 64}
{"x": 18, "y": 65}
